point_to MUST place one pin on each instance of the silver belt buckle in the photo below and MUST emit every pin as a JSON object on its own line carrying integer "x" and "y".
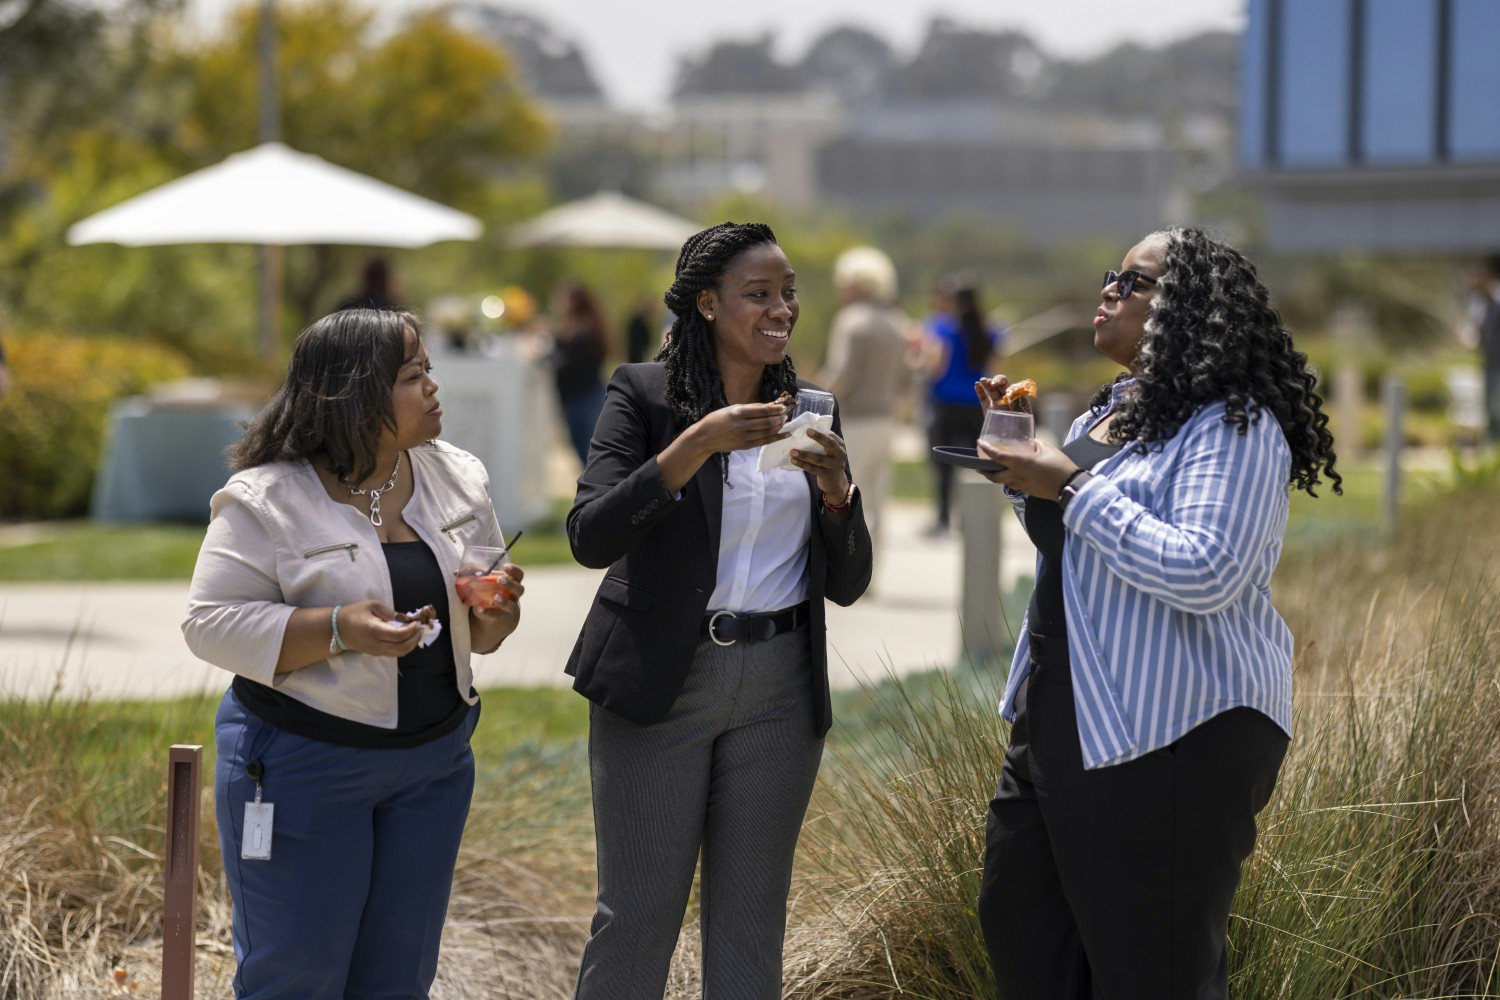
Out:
{"x": 713, "y": 620}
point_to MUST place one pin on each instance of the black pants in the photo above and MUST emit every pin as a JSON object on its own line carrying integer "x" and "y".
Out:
{"x": 1117, "y": 882}
{"x": 951, "y": 425}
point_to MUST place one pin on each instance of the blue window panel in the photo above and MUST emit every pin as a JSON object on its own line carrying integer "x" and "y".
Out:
{"x": 1398, "y": 108}
{"x": 1315, "y": 65}
{"x": 1254, "y": 51}
{"x": 1474, "y": 94}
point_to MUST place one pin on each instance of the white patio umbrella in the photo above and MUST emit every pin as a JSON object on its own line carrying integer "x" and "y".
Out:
{"x": 274, "y": 195}
{"x": 605, "y": 221}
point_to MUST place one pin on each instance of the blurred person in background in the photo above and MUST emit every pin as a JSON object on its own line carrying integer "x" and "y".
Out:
{"x": 1150, "y": 698}
{"x": 377, "y": 288}
{"x": 1485, "y": 289}
{"x": 580, "y": 343}
{"x": 704, "y": 655}
{"x": 347, "y": 722}
{"x": 957, "y": 347}
{"x": 640, "y": 331}
{"x": 4, "y": 372}
{"x": 866, "y": 370}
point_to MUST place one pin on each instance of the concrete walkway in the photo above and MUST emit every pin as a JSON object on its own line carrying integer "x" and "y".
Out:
{"x": 124, "y": 640}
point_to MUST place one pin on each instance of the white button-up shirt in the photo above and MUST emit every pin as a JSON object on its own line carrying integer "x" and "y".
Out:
{"x": 763, "y": 538}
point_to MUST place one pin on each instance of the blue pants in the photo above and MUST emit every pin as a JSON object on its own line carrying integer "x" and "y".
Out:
{"x": 581, "y": 413}
{"x": 352, "y": 902}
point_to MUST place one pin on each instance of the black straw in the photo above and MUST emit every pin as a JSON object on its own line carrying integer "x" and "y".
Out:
{"x": 514, "y": 539}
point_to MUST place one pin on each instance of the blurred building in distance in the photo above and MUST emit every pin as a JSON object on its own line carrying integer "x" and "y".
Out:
{"x": 975, "y": 122}
{"x": 1374, "y": 124}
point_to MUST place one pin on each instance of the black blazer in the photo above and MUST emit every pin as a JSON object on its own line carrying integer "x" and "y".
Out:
{"x": 633, "y": 654}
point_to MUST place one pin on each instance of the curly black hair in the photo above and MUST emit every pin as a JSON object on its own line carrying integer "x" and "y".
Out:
{"x": 695, "y": 386}
{"x": 1214, "y": 336}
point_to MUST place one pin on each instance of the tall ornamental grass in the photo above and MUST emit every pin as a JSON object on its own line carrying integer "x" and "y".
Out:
{"x": 82, "y": 806}
{"x": 1377, "y": 872}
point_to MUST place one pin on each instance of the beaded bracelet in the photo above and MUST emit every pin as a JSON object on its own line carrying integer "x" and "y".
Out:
{"x": 838, "y": 508}
{"x": 336, "y": 644}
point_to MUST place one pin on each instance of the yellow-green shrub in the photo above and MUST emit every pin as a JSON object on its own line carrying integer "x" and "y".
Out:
{"x": 52, "y": 422}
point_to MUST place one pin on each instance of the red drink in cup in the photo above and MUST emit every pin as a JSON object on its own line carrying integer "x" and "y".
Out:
{"x": 478, "y": 579}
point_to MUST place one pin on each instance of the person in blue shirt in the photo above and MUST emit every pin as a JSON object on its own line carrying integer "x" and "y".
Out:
{"x": 1150, "y": 698}
{"x": 956, "y": 350}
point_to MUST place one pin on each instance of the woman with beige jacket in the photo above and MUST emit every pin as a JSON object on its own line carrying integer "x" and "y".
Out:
{"x": 344, "y": 771}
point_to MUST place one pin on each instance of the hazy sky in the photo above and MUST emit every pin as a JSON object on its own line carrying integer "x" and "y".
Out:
{"x": 633, "y": 45}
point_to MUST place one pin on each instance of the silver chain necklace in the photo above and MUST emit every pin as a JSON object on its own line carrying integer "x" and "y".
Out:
{"x": 374, "y": 495}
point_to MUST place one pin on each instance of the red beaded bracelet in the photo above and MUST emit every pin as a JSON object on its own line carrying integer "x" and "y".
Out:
{"x": 838, "y": 508}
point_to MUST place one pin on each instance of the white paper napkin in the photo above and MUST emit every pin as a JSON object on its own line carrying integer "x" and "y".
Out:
{"x": 430, "y": 631}
{"x": 778, "y": 454}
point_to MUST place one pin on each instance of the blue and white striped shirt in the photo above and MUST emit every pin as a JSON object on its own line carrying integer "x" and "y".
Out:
{"x": 1167, "y": 562}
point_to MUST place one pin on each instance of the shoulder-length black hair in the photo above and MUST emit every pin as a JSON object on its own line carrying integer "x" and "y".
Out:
{"x": 973, "y": 331}
{"x": 1214, "y": 336}
{"x": 337, "y": 395}
{"x": 695, "y": 386}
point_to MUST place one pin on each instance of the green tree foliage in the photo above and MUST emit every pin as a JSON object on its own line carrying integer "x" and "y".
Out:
{"x": 426, "y": 107}
{"x": 52, "y": 423}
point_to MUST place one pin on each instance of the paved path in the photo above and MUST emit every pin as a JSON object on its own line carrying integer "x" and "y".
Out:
{"x": 124, "y": 640}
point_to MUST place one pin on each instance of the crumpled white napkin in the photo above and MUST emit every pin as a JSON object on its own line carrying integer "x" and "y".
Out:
{"x": 430, "y": 631}
{"x": 778, "y": 454}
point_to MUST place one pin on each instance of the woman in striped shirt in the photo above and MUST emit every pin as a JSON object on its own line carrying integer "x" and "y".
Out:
{"x": 1150, "y": 696}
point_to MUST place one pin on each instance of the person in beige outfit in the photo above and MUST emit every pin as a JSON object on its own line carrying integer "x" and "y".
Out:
{"x": 866, "y": 370}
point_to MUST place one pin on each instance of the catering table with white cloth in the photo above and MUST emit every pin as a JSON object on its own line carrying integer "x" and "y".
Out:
{"x": 502, "y": 408}
{"x": 164, "y": 462}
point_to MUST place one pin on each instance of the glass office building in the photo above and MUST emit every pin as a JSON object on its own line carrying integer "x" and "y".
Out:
{"x": 1374, "y": 123}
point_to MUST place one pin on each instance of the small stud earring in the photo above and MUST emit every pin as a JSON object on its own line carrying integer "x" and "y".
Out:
{"x": 710, "y": 317}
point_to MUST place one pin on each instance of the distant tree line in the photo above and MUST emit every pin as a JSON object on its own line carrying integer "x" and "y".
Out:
{"x": 957, "y": 62}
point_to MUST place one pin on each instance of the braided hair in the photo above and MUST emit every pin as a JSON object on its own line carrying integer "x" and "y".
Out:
{"x": 695, "y": 386}
{"x": 1214, "y": 336}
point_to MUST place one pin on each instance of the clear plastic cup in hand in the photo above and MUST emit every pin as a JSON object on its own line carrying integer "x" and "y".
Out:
{"x": 478, "y": 578}
{"x": 814, "y": 401}
{"x": 1007, "y": 427}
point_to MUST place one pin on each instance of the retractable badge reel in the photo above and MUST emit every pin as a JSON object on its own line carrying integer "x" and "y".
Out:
{"x": 255, "y": 845}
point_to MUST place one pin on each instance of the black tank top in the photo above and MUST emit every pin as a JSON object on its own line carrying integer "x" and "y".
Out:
{"x": 428, "y": 705}
{"x": 1045, "y": 526}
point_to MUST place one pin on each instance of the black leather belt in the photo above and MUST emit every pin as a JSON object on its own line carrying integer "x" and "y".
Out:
{"x": 729, "y": 627}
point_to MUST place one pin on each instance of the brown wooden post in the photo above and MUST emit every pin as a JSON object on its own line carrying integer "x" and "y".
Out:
{"x": 180, "y": 905}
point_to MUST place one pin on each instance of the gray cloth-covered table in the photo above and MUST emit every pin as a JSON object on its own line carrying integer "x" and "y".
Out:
{"x": 163, "y": 464}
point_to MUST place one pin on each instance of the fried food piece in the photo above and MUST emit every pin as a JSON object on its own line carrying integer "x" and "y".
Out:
{"x": 785, "y": 399}
{"x": 426, "y": 614}
{"x": 1018, "y": 396}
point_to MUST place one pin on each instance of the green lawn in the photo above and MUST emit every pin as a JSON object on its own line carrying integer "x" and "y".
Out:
{"x": 86, "y": 550}
{"x": 103, "y": 737}
{"x": 106, "y": 738}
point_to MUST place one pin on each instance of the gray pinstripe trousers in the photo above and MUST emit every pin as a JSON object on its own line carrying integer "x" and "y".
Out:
{"x": 729, "y": 771}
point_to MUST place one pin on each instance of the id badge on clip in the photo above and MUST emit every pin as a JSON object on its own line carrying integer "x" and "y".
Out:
{"x": 255, "y": 844}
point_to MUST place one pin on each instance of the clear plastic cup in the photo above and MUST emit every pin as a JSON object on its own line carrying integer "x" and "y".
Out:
{"x": 814, "y": 401}
{"x": 478, "y": 578}
{"x": 1002, "y": 427}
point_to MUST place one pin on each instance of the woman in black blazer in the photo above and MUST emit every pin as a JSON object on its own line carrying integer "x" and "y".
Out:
{"x": 704, "y": 654}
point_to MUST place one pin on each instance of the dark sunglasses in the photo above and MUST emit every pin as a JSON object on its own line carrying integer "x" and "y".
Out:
{"x": 1125, "y": 281}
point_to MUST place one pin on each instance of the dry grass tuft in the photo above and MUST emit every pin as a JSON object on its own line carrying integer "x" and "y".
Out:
{"x": 1378, "y": 870}
{"x": 1377, "y": 875}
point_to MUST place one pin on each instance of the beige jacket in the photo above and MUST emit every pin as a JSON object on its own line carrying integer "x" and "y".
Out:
{"x": 277, "y": 542}
{"x": 866, "y": 366}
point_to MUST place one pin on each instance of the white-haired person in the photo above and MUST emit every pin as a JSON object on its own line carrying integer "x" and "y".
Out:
{"x": 866, "y": 370}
